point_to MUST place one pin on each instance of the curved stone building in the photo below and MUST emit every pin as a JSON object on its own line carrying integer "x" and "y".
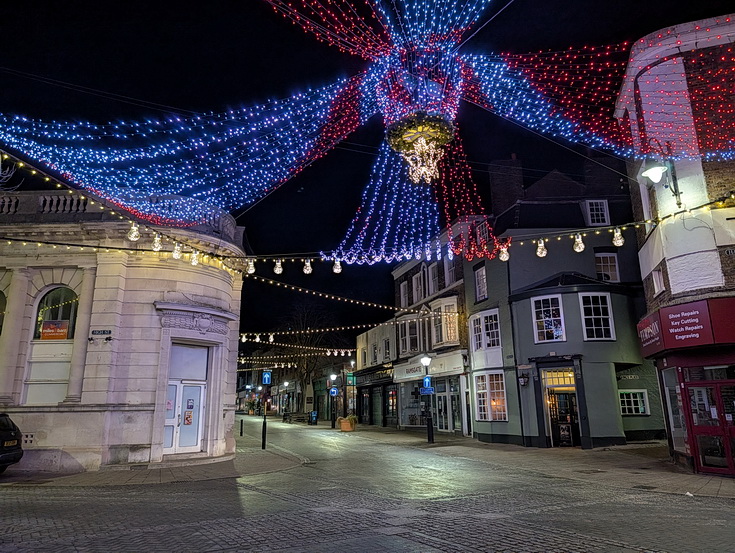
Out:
{"x": 111, "y": 353}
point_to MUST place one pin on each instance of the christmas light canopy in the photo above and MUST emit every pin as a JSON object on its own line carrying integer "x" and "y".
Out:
{"x": 180, "y": 170}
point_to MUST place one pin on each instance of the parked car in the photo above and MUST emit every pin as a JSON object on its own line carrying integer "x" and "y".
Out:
{"x": 11, "y": 442}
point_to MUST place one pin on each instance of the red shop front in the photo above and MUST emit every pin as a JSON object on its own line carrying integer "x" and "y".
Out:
{"x": 694, "y": 348}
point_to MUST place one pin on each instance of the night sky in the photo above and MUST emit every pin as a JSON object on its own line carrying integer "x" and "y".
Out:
{"x": 210, "y": 56}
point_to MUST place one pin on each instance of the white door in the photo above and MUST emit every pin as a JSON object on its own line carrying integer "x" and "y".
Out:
{"x": 184, "y": 417}
{"x": 185, "y": 399}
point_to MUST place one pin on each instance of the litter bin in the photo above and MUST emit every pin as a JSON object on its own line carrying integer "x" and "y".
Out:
{"x": 312, "y": 417}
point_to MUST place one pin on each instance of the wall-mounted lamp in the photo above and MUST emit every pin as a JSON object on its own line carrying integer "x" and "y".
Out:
{"x": 108, "y": 338}
{"x": 654, "y": 169}
{"x": 90, "y": 339}
{"x": 523, "y": 379}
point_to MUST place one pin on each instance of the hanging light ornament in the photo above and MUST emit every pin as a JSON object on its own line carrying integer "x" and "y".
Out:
{"x": 257, "y": 337}
{"x": 270, "y": 338}
{"x": 134, "y": 233}
{"x": 176, "y": 254}
{"x": 157, "y": 244}
{"x": 578, "y": 244}
{"x": 541, "y": 249}
{"x": 503, "y": 255}
{"x": 307, "y": 267}
{"x": 420, "y": 138}
{"x": 250, "y": 269}
{"x": 337, "y": 267}
{"x": 618, "y": 239}
{"x": 195, "y": 258}
{"x": 278, "y": 268}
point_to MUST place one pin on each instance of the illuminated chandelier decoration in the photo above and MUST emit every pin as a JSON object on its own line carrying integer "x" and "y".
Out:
{"x": 181, "y": 170}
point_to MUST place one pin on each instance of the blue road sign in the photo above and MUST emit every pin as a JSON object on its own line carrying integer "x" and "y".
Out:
{"x": 427, "y": 382}
{"x": 266, "y": 377}
{"x": 334, "y": 391}
{"x": 426, "y": 391}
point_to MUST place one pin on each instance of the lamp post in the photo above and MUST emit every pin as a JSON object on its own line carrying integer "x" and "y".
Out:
{"x": 426, "y": 361}
{"x": 332, "y": 378}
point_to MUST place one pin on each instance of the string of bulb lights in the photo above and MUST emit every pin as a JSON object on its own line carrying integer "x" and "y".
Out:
{"x": 417, "y": 77}
{"x": 465, "y": 240}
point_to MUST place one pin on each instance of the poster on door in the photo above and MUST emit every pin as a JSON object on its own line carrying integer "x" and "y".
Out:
{"x": 188, "y": 417}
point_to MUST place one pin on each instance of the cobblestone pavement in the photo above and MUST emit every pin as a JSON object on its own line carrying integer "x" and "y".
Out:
{"x": 319, "y": 490}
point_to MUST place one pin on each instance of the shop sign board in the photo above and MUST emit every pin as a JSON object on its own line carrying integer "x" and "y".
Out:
{"x": 686, "y": 325}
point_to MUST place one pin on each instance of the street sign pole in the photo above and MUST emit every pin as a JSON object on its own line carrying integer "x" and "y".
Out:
{"x": 429, "y": 424}
{"x": 265, "y": 408}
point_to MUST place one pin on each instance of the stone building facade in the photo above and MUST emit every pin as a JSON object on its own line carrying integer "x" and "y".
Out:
{"x": 113, "y": 353}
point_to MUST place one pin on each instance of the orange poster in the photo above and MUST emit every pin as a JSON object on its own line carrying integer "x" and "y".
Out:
{"x": 55, "y": 330}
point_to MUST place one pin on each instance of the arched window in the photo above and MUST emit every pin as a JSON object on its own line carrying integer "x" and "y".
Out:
{"x": 56, "y": 315}
{"x": 3, "y": 307}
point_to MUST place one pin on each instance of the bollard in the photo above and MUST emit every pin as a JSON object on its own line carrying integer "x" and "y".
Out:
{"x": 240, "y": 427}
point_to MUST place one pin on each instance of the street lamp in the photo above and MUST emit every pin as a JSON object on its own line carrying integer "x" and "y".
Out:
{"x": 654, "y": 169}
{"x": 426, "y": 361}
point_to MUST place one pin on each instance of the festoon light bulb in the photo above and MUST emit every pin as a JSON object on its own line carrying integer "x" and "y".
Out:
{"x": 504, "y": 255}
{"x": 337, "y": 267}
{"x": 541, "y": 249}
{"x": 578, "y": 244}
{"x": 618, "y": 239}
{"x": 278, "y": 268}
{"x": 176, "y": 254}
{"x": 307, "y": 267}
{"x": 157, "y": 244}
{"x": 134, "y": 233}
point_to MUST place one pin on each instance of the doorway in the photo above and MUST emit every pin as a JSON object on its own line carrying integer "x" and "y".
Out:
{"x": 184, "y": 416}
{"x": 562, "y": 414}
{"x": 711, "y": 411}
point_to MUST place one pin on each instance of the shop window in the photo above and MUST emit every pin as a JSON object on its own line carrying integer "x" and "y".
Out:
{"x": 480, "y": 284}
{"x": 597, "y": 213}
{"x": 490, "y": 396}
{"x": 597, "y": 319}
{"x": 548, "y": 319}
{"x": 606, "y": 266}
{"x": 56, "y": 315}
{"x": 634, "y": 402}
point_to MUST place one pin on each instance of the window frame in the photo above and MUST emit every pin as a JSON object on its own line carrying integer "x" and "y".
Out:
{"x": 481, "y": 283}
{"x": 584, "y": 317}
{"x": 445, "y": 318}
{"x": 69, "y": 307}
{"x": 403, "y": 293}
{"x": 405, "y": 336}
{"x": 588, "y": 213}
{"x": 386, "y": 349}
{"x": 658, "y": 282}
{"x": 433, "y": 279}
{"x": 606, "y": 255}
{"x": 484, "y": 410}
{"x": 534, "y": 321}
{"x": 644, "y": 394}
{"x": 479, "y": 322}
{"x": 450, "y": 271}
{"x": 417, "y": 287}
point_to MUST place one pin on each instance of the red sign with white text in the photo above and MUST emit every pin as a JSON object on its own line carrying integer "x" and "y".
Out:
{"x": 686, "y": 325}
{"x": 649, "y": 333}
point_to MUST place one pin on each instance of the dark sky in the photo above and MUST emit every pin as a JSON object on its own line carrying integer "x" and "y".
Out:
{"x": 209, "y": 56}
